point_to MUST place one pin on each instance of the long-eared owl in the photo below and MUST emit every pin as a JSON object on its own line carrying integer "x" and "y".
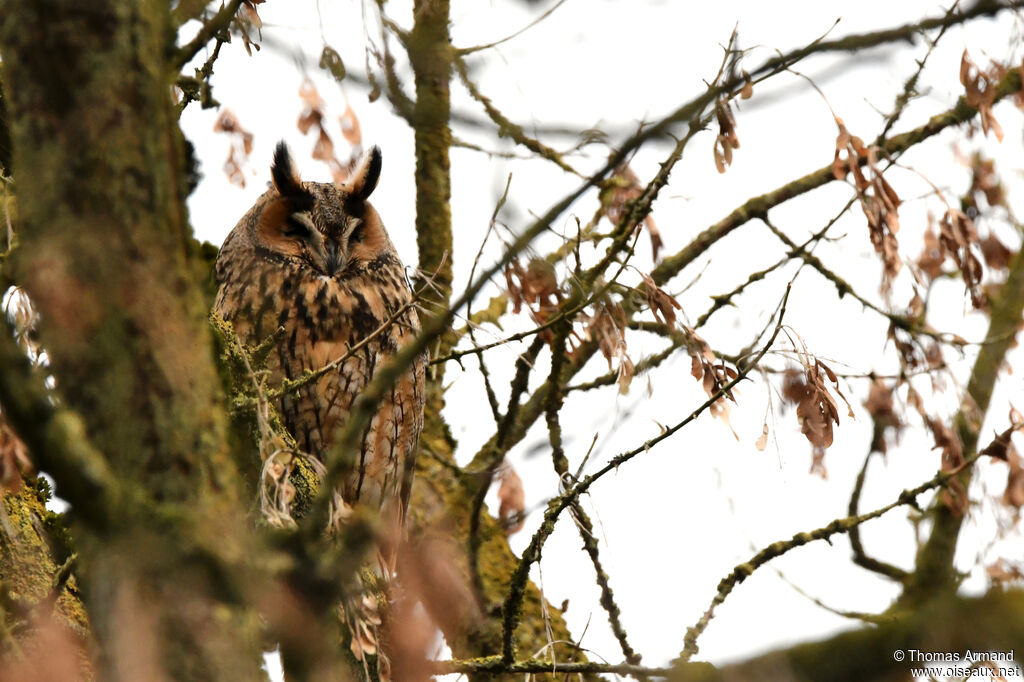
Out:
{"x": 314, "y": 259}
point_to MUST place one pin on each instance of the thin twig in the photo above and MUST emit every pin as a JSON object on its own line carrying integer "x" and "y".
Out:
{"x": 477, "y": 48}
{"x": 524, "y": 365}
{"x": 742, "y": 571}
{"x": 507, "y": 128}
{"x": 860, "y": 557}
{"x": 910, "y": 86}
{"x": 720, "y": 301}
{"x": 492, "y": 399}
{"x": 290, "y": 386}
{"x": 517, "y": 584}
{"x": 584, "y": 525}
{"x": 218, "y": 22}
{"x": 844, "y": 288}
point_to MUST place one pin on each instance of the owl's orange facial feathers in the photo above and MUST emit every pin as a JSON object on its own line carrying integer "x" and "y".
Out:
{"x": 330, "y": 228}
{"x": 274, "y": 229}
{"x": 369, "y": 239}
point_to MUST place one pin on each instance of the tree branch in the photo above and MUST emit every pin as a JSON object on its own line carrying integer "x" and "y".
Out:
{"x": 211, "y": 28}
{"x": 777, "y": 549}
{"x": 510, "y": 611}
{"x": 994, "y": 622}
{"x": 934, "y": 571}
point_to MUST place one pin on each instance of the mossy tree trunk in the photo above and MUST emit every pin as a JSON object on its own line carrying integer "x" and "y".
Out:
{"x": 443, "y": 496}
{"x": 103, "y": 255}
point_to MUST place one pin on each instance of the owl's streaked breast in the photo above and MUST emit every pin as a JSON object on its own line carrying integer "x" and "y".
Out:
{"x": 343, "y": 318}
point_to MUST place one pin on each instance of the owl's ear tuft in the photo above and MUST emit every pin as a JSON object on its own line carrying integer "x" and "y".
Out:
{"x": 284, "y": 174}
{"x": 367, "y": 173}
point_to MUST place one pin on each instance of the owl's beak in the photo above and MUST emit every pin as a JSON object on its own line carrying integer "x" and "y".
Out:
{"x": 335, "y": 260}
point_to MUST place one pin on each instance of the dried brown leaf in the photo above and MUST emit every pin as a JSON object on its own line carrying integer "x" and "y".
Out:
{"x": 249, "y": 7}
{"x": 985, "y": 181}
{"x": 932, "y": 256}
{"x": 957, "y": 236}
{"x": 350, "y": 127}
{"x": 948, "y": 442}
{"x": 696, "y": 367}
{"x": 620, "y": 189}
{"x": 323, "y": 150}
{"x": 762, "y": 440}
{"x": 816, "y": 410}
{"x": 540, "y": 280}
{"x": 241, "y": 146}
{"x": 661, "y": 304}
{"x": 748, "y": 87}
{"x": 980, "y": 91}
{"x": 996, "y": 254}
{"x": 310, "y": 96}
{"x": 880, "y": 404}
{"x": 1002, "y": 571}
{"x": 999, "y": 445}
{"x": 513, "y": 500}
{"x": 655, "y": 234}
{"x": 607, "y": 327}
{"x": 625, "y": 372}
{"x": 1013, "y": 496}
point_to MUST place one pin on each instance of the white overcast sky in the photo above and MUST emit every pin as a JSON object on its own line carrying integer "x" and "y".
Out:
{"x": 674, "y": 521}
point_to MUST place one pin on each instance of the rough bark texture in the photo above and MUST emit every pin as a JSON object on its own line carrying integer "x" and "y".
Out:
{"x": 103, "y": 254}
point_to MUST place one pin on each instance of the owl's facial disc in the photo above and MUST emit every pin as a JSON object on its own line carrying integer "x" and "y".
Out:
{"x": 324, "y": 253}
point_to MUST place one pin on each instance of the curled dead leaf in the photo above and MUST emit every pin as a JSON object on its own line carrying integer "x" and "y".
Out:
{"x": 980, "y": 91}
{"x": 985, "y": 181}
{"x": 996, "y": 254}
{"x": 350, "y": 127}
{"x": 620, "y": 189}
{"x": 312, "y": 119}
{"x": 1013, "y": 496}
{"x": 762, "y": 441}
{"x": 536, "y": 287}
{"x": 948, "y": 442}
{"x": 931, "y": 258}
{"x": 625, "y": 372}
{"x": 816, "y": 409}
{"x": 957, "y": 236}
{"x": 880, "y": 404}
{"x": 512, "y": 500}
{"x": 748, "y": 87}
{"x": 661, "y": 304}
{"x": 240, "y": 149}
{"x": 1001, "y": 445}
{"x": 727, "y": 139}
{"x": 1002, "y": 571}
